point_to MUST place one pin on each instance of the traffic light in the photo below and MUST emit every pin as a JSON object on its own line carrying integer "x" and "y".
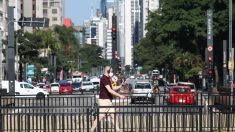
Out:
{"x": 114, "y": 27}
{"x": 210, "y": 58}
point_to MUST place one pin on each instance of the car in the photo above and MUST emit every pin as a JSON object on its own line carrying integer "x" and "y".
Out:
{"x": 24, "y": 89}
{"x": 87, "y": 86}
{"x": 62, "y": 81}
{"x": 40, "y": 85}
{"x": 76, "y": 86}
{"x": 96, "y": 82}
{"x": 191, "y": 85}
{"x": 142, "y": 91}
{"x": 69, "y": 80}
{"x": 47, "y": 88}
{"x": 65, "y": 88}
{"x": 181, "y": 95}
{"x": 132, "y": 77}
{"x": 55, "y": 87}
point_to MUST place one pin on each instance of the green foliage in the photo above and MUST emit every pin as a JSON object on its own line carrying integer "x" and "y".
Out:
{"x": 92, "y": 55}
{"x": 194, "y": 71}
{"x": 29, "y": 45}
{"x": 177, "y": 35}
{"x": 67, "y": 50}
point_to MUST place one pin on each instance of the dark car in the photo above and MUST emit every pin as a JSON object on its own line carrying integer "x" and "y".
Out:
{"x": 76, "y": 86}
{"x": 65, "y": 88}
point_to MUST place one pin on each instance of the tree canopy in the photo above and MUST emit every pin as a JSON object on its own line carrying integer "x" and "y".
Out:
{"x": 178, "y": 32}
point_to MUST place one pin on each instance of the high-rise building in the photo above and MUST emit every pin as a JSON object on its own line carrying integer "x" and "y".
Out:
{"x": 28, "y": 9}
{"x": 4, "y": 27}
{"x": 52, "y": 9}
{"x": 105, "y": 5}
{"x": 128, "y": 13}
{"x": 146, "y": 6}
{"x": 132, "y": 19}
{"x": 128, "y": 45}
{"x": 108, "y": 45}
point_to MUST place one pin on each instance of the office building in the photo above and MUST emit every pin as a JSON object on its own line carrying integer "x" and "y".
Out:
{"x": 52, "y": 9}
{"x": 104, "y": 6}
{"x": 146, "y": 6}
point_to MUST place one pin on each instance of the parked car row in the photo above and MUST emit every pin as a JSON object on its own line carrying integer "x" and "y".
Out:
{"x": 68, "y": 87}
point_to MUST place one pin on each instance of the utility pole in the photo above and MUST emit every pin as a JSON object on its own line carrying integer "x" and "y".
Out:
{"x": 210, "y": 58}
{"x": 1, "y": 35}
{"x": 231, "y": 51}
{"x": 11, "y": 51}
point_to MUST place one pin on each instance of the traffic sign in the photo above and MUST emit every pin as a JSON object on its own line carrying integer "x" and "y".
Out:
{"x": 33, "y": 22}
{"x": 230, "y": 65}
{"x": 210, "y": 48}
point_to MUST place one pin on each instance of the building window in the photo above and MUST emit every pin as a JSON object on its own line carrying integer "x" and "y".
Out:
{"x": 54, "y": 18}
{"x": 54, "y": 11}
{"x": 34, "y": 7}
{"x": 44, "y": 12}
{"x": 45, "y": 4}
{"x": 53, "y": 4}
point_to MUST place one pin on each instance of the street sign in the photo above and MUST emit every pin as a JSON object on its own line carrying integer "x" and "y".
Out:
{"x": 210, "y": 48}
{"x": 33, "y": 22}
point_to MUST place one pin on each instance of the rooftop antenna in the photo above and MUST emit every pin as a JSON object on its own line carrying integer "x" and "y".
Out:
{"x": 92, "y": 9}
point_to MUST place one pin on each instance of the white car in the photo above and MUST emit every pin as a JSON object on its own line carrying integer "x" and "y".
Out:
{"x": 87, "y": 86}
{"x": 191, "y": 85}
{"x": 25, "y": 89}
{"x": 55, "y": 87}
{"x": 141, "y": 91}
{"x": 96, "y": 82}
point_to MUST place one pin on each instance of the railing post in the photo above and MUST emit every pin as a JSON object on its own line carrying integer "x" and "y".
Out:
{"x": 87, "y": 113}
{"x": 211, "y": 118}
{"x": 1, "y": 117}
{"x": 98, "y": 123}
{"x": 200, "y": 119}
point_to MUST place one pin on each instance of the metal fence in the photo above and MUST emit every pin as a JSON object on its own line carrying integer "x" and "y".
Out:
{"x": 210, "y": 112}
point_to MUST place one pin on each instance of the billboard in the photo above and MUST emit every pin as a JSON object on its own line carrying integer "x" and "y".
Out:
{"x": 30, "y": 70}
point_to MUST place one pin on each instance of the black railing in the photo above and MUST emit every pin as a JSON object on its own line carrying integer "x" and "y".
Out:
{"x": 150, "y": 113}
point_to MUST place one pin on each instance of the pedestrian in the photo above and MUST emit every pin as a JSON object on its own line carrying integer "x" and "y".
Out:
{"x": 156, "y": 89}
{"x": 105, "y": 98}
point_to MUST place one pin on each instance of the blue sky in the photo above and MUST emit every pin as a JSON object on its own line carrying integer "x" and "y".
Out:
{"x": 79, "y": 10}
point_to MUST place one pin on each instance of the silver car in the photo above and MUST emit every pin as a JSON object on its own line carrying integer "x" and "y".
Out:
{"x": 142, "y": 91}
{"x": 87, "y": 86}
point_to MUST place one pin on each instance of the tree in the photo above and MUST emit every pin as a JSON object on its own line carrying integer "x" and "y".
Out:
{"x": 180, "y": 27}
{"x": 69, "y": 48}
{"x": 92, "y": 54}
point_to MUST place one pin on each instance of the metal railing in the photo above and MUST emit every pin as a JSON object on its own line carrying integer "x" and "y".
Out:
{"x": 209, "y": 112}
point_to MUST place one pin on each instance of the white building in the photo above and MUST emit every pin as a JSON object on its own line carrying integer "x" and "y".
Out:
{"x": 128, "y": 25}
{"x": 96, "y": 32}
{"x": 101, "y": 35}
{"x": 4, "y": 26}
{"x": 109, "y": 34}
{"x": 109, "y": 44}
{"x": 52, "y": 9}
{"x": 132, "y": 19}
{"x": 146, "y": 6}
